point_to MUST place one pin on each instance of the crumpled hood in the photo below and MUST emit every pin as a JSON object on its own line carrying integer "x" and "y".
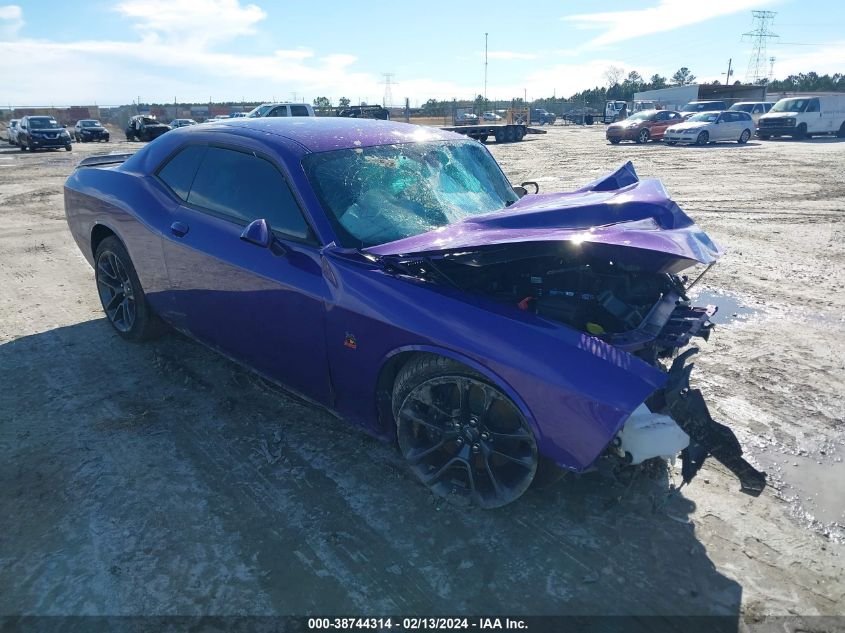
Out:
{"x": 615, "y": 210}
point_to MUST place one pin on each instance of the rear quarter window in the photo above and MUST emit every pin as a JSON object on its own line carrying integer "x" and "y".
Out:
{"x": 178, "y": 173}
{"x": 299, "y": 110}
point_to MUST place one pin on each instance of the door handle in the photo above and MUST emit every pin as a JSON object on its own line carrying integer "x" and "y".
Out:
{"x": 179, "y": 229}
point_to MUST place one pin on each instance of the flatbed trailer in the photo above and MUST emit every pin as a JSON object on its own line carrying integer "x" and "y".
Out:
{"x": 502, "y": 132}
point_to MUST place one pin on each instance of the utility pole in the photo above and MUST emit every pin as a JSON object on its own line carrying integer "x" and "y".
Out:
{"x": 387, "y": 100}
{"x": 485, "y": 69}
{"x": 759, "y": 37}
{"x": 729, "y": 73}
{"x": 771, "y": 68}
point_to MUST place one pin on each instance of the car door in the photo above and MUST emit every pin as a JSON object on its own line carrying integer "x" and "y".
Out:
{"x": 263, "y": 307}
{"x": 659, "y": 125}
{"x": 724, "y": 130}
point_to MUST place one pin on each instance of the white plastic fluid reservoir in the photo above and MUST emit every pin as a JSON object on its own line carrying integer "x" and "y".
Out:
{"x": 646, "y": 435}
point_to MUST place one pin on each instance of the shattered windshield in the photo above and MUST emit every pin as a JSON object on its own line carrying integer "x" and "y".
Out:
{"x": 380, "y": 194}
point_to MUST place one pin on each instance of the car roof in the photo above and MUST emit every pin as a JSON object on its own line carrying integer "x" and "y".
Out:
{"x": 320, "y": 134}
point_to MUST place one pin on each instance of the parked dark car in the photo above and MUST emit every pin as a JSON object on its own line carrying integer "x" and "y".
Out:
{"x": 364, "y": 112}
{"x": 539, "y": 116}
{"x": 42, "y": 132}
{"x": 644, "y": 126}
{"x": 181, "y": 123}
{"x": 144, "y": 128}
{"x": 391, "y": 273}
{"x": 90, "y": 130}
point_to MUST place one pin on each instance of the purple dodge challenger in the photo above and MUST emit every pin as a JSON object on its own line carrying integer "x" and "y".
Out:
{"x": 391, "y": 273}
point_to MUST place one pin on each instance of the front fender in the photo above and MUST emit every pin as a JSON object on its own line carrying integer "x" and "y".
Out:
{"x": 575, "y": 389}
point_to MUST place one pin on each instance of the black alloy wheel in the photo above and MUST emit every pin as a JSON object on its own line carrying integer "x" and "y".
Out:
{"x": 121, "y": 294}
{"x": 116, "y": 292}
{"x": 461, "y": 436}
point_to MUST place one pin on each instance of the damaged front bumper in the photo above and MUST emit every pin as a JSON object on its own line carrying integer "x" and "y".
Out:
{"x": 676, "y": 418}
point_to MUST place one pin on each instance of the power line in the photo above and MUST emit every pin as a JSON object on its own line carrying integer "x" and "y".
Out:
{"x": 757, "y": 72}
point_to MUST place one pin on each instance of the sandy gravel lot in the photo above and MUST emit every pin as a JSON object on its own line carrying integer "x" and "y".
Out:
{"x": 164, "y": 479}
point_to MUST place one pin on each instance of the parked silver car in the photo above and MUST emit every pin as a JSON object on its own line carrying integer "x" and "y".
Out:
{"x": 711, "y": 127}
{"x": 13, "y": 131}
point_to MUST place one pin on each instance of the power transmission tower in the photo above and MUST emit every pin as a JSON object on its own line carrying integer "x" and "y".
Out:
{"x": 387, "y": 101}
{"x": 759, "y": 37}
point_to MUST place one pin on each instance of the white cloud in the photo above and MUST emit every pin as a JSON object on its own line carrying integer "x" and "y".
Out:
{"x": 825, "y": 59}
{"x": 668, "y": 15}
{"x": 197, "y": 22}
{"x": 11, "y": 21}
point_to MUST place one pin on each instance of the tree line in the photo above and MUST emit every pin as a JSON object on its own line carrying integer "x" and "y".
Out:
{"x": 622, "y": 87}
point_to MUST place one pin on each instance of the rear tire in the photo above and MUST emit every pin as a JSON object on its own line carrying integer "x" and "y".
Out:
{"x": 642, "y": 137}
{"x": 841, "y": 132}
{"x": 743, "y": 138}
{"x": 121, "y": 294}
{"x": 462, "y": 436}
{"x": 615, "y": 141}
{"x": 68, "y": 148}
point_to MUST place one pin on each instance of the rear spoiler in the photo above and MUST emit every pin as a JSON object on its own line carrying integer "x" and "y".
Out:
{"x": 103, "y": 159}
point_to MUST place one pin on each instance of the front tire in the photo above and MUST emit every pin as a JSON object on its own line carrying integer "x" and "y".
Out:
{"x": 461, "y": 435}
{"x": 121, "y": 294}
{"x": 841, "y": 132}
{"x": 615, "y": 141}
{"x": 703, "y": 138}
{"x": 801, "y": 132}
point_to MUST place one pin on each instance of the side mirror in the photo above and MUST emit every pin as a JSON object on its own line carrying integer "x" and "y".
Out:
{"x": 258, "y": 232}
{"x": 531, "y": 182}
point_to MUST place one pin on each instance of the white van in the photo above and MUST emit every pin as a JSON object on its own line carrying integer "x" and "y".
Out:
{"x": 282, "y": 109}
{"x": 802, "y": 117}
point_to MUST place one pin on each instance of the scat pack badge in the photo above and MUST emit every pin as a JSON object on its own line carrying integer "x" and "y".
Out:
{"x": 350, "y": 342}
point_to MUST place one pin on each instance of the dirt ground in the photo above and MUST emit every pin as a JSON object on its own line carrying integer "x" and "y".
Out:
{"x": 163, "y": 479}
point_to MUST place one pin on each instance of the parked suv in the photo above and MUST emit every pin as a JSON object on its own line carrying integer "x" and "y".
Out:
{"x": 282, "y": 109}
{"x": 90, "y": 130}
{"x": 755, "y": 108}
{"x": 13, "y": 131}
{"x": 542, "y": 117}
{"x": 144, "y": 128}
{"x": 42, "y": 132}
{"x": 694, "y": 107}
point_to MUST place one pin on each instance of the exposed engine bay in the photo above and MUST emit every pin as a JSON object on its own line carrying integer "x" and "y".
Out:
{"x": 643, "y": 312}
{"x": 635, "y": 309}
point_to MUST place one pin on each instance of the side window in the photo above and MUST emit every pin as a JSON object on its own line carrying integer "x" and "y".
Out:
{"x": 245, "y": 188}
{"x": 279, "y": 111}
{"x": 757, "y": 109}
{"x": 662, "y": 116}
{"x": 814, "y": 105}
{"x": 768, "y": 106}
{"x": 179, "y": 172}
{"x": 298, "y": 110}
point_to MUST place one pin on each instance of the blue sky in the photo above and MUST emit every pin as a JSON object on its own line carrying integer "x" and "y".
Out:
{"x": 112, "y": 52}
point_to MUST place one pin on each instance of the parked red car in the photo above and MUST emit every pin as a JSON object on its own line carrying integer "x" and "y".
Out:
{"x": 648, "y": 125}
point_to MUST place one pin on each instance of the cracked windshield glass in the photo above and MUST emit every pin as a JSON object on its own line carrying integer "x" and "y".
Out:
{"x": 380, "y": 194}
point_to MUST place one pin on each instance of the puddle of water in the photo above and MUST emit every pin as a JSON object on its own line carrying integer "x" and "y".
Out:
{"x": 819, "y": 488}
{"x": 731, "y": 307}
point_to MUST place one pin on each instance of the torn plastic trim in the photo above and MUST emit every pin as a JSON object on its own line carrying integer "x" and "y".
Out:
{"x": 708, "y": 438}
{"x": 646, "y": 435}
